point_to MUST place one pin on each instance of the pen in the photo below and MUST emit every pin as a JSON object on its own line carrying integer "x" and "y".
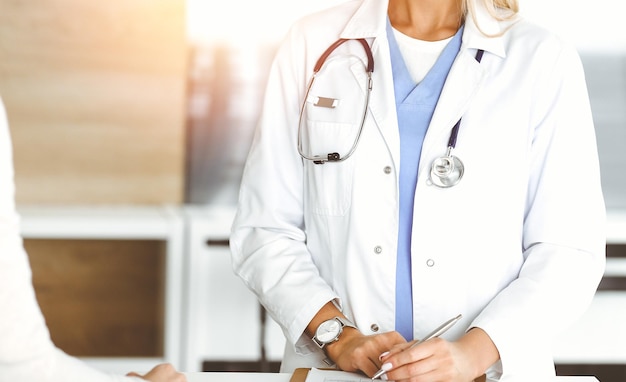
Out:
{"x": 435, "y": 333}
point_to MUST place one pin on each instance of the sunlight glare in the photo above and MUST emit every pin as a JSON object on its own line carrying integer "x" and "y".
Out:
{"x": 590, "y": 26}
{"x": 238, "y": 21}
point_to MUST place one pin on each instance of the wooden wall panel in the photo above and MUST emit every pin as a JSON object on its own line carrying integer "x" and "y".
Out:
{"x": 101, "y": 298}
{"x": 95, "y": 94}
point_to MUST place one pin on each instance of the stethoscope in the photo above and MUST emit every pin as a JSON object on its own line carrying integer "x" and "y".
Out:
{"x": 446, "y": 171}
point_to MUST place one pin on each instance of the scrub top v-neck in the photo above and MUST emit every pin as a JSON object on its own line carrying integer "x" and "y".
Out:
{"x": 415, "y": 105}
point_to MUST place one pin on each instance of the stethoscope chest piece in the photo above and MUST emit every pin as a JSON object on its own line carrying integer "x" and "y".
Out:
{"x": 446, "y": 171}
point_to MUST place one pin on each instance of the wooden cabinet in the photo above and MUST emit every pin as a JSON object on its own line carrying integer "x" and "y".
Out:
{"x": 124, "y": 288}
{"x": 109, "y": 282}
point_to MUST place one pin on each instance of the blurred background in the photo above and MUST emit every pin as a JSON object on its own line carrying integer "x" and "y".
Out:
{"x": 131, "y": 121}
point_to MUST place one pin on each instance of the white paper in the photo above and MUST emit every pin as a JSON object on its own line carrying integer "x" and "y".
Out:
{"x": 317, "y": 375}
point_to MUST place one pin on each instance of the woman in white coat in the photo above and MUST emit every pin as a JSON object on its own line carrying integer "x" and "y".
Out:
{"x": 27, "y": 353}
{"x": 359, "y": 254}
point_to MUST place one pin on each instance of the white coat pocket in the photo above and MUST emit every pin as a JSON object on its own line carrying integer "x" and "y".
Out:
{"x": 328, "y": 186}
{"x": 331, "y": 122}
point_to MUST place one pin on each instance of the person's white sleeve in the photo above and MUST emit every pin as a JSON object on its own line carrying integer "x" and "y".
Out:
{"x": 27, "y": 353}
{"x": 564, "y": 226}
{"x": 268, "y": 240}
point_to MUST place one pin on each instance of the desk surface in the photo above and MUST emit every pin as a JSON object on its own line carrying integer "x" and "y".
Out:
{"x": 284, "y": 377}
{"x": 237, "y": 377}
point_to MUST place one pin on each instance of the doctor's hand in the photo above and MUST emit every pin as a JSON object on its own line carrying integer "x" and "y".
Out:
{"x": 164, "y": 372}
{"x": 441, "y": 360}
{"x": 355, "y": 351}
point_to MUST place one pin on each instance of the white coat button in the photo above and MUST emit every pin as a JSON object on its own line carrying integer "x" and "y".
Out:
{"x": 378, "y": 250}
{"x": 430, "y": 263}
{"x": 387, "y": 170}
{"x": 374, "y": 328}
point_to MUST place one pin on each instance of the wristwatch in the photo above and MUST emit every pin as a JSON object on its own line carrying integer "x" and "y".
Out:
{"x": 330, "y": 330}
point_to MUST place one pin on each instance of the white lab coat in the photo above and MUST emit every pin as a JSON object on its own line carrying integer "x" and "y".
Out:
{"x": 517, "y": 246}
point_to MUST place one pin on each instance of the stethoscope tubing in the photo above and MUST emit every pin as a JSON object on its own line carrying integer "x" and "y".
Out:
{"x": 446, "y": 171}
{"x": 336, "y": 157}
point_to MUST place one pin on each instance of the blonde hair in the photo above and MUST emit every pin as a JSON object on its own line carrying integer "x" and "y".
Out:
{"x": 498, "y": 9}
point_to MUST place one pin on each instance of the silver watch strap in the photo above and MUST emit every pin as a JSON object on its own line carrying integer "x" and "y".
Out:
{"x": 345, "y": 322}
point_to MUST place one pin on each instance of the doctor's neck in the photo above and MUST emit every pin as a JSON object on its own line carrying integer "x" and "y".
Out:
{"x": 428, "y": 20}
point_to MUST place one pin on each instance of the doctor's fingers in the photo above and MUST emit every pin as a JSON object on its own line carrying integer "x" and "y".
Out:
{"x": 164, "y": 372}
{"x": 426, "y": 370}
{"x": 395, "y": 349}
{"x": 433, "y": 360}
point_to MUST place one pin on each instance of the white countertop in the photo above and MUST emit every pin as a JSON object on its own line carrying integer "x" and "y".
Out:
{"x": 38, "y": 219}
{"x": 237, "y": 377}
{"x": 284, "y": 377}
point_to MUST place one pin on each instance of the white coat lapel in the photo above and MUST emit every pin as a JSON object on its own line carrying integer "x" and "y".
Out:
{"x": 369, "y": 22}
{"x": 382, "y": 102}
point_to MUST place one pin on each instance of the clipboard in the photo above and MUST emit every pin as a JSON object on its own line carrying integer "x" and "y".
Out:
{"x": 300, "y": 374}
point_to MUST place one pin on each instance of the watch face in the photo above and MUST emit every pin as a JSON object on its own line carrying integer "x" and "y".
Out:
{"x": 328, "y": 331}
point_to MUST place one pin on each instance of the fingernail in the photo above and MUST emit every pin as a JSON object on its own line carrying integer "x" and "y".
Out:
{"x": 383, "y": 377}
{"x": 386, "y": 366}
{"x": 380, "y": 357}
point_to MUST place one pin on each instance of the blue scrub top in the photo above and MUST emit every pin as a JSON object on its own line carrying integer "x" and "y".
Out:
{"x": 415, "y": 105}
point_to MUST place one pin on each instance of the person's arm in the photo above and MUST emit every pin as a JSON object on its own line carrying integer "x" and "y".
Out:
{"x": 268, "y": 238}
{"x": 564, "y": 225}
{"x": 354, "y": 351}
